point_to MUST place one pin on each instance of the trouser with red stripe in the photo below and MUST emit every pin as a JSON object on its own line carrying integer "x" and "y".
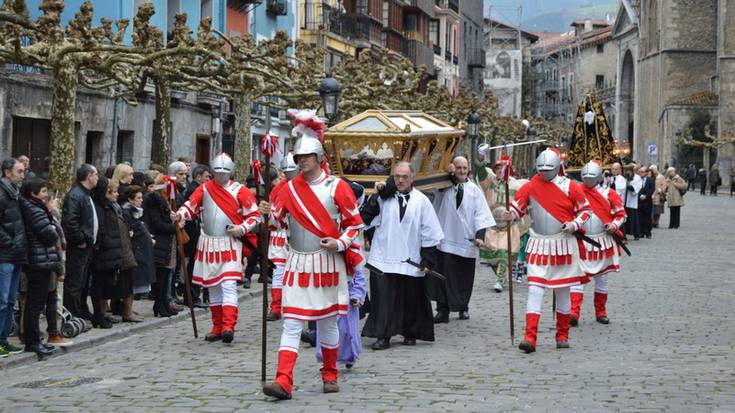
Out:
{"x": 289, "y": 349}
{"x": 276, "y": 286}
{"x": 577, "y": 296}
{"x": 224, "y": 296}
{"x": 533, "y": 313}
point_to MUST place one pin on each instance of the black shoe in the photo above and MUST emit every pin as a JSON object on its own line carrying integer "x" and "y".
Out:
{"x": 603, "y": 320}
{"x": 101, "y": 322}
{"x": 348, "y": 366}
{"x": 464, "y": 315}
{"x": 409, "y": 341}
{"x": 47, "y": 346}
{"x": 228, "y": 336}
{"x": 40, "y": 350}
{"x": 161, "y": 310}
{"x": 527, "y": 347}
{"x": 275, "y": 390}
{"x": 246, "y": 283}
{"x": 381, "y": 344}
{"x": 272, "y": 317}
{"x": 309, "y": 336}
{"x": 562, "y": 344}
{"x": 573, "y": 321}
{"x": 441, "y": 317}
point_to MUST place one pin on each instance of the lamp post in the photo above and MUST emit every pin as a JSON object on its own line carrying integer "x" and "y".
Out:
{"x": 473, "y": 121}
{"x": 529, "y": 137}
{"x": 329, "y": 92}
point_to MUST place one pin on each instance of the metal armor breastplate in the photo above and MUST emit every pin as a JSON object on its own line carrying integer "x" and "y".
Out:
{"x": 301, "y": 239}
{"x": 214, "y": 221}
{"x": 594, "y": 225}
{"x": 543, "y": 222}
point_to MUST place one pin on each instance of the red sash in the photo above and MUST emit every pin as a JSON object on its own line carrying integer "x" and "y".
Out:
{"x": 225, "y": 201}
{"x": 552, "y": 199}
{"x": 315, "y": 219}
{"x": 600, "y": 206}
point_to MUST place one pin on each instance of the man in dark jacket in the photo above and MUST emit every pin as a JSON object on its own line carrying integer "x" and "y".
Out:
{"x": 645, "y": 202}
{"x": 200, "y": 175}
{"x": 80, "y": 223}
{"x": 13, "y": 247}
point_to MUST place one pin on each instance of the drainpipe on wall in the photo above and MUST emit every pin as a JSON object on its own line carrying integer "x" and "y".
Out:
{"x": 115, "y": 127}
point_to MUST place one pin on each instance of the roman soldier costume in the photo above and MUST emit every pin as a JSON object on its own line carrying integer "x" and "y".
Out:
{"x": 606, "y": 218}
{"x": 220, "y": 203}
{"x": 558, "y": 207}
{"x": 315, "y": 280}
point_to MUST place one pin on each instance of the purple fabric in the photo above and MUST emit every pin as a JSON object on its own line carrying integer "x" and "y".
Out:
{"x": 350, "y": 344}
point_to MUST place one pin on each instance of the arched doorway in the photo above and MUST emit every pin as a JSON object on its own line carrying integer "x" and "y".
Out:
{"x": 627, "y": 100}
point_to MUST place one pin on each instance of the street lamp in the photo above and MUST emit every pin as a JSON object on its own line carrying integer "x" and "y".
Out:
{"x": 473, "y": 121}
{"x": 329, "y": 92}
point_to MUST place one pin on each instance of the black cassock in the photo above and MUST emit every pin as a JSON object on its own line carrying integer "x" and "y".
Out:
{"x": 454, "y": 293}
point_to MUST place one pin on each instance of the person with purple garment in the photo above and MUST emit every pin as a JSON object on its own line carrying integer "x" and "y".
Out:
{"x": 350, "y": 345}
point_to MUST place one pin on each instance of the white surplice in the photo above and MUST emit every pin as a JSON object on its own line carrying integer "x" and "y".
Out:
{"x": 461, "y": 225}
{"x": 395, "y": 240}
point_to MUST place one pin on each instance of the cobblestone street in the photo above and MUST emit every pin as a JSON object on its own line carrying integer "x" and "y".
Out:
{"x": 668, "y": 348}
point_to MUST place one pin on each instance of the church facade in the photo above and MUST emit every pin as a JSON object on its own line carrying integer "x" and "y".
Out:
{"x": 675, "y": 63}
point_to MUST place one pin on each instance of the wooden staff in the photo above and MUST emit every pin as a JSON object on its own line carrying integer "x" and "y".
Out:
{"x": 181, "y": 239}
{"x": 263, "y": 241}
{"x": 510, "y": 261}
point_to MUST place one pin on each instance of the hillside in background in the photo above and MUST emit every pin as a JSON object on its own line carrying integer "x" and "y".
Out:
{"x": 549, "y": 15}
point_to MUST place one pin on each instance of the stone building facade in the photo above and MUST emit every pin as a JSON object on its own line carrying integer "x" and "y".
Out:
{"x": 507, "y": 51}
{"x": 685, "y": 65}
{"x": 25, "y": 113}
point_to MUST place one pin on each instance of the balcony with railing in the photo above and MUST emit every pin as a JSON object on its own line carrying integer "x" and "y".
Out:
{"x": 418, "y": 53}
{"x": 455, "y": 59}
{"x": 476, "y": 58}
{"x": 447, "y": 55}
{"x": 325, "y": 18}
{"x": 437, "y": 50}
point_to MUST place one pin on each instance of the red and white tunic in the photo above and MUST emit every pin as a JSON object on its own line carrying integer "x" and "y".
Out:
{"x": 278, "y": 246}
{"x": 552, "y": 255}
{"x": 315, "y": 279}
{"x": 607, "y": 208}
{"x": 218, "y": 255}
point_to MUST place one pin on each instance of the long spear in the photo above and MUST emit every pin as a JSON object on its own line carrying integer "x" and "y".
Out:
{"x": 505, "y": 176}
{"x": 267, "y": 148}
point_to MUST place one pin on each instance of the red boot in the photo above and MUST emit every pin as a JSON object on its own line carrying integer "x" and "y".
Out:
{"x": 229, "y": 319}
{"x": 576, "y": 298}
{"x": 562, "y": 330}
{"x": 329, "y": 369}
{"x": 282, "y": 386}
{"x": 529, "y": 341}
{"x": 600, "y": 311}
{"x": 276, "y": 301}
{"x": 216, "y": 333}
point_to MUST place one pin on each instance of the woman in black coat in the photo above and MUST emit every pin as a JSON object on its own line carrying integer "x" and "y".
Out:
{"x": 108, "y": 257}
{"x": 160, "y": 224}
{"x": 144, "y": 273}
{"x": 43, "y": 259}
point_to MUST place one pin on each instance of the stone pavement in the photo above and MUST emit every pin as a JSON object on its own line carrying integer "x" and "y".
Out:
{"x": 669, "y": 348}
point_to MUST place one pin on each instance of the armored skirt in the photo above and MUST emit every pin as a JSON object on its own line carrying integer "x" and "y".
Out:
{"x": 598, "y": 261}
{"x": 314, "y": 285}
{"x": 553, "y": 260}
{"x": 217, "y": 259}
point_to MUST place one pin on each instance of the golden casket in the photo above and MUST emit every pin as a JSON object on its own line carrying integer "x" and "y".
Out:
{"x": 365, "y": 147}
